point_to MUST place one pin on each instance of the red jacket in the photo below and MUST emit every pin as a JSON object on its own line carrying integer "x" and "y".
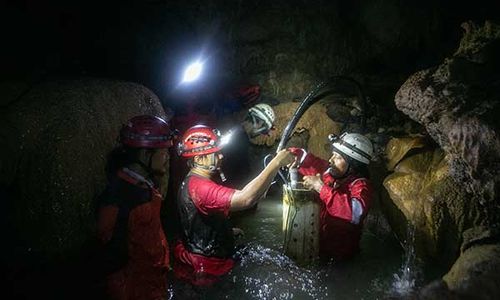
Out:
{"x": 345, "y": 205}
{"x": 204, "y": 211}
{"x": 144, "y": 276}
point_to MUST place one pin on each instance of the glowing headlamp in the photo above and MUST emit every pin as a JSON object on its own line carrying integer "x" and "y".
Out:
{"x": 192, "y": 72}
{"x": 333, "y": 137}
{"x": 226, "y": 138}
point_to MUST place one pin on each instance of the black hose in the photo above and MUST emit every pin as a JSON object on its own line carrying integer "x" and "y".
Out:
{"x": 311, "y": 98}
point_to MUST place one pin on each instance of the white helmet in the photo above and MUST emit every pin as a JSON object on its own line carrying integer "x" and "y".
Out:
{"x": 264, "y": 112}
{"x": 354, "y": 145}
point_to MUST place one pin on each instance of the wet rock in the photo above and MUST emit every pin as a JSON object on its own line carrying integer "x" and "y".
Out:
{"x": 480, "y": 235}
{"x": 405, "y": 183}
{"x": 283, "y": 82}
{"x": 58, "y": 136}
{"x": 299, "y": 139}
{"x": 397, "y": 148}
{"x": 436, "y": 290}
{"x": 339, "y": 113}
{"x": 423, "y": 194}
{"x": 458, "y": 102}
{"x": 475, "y": 273}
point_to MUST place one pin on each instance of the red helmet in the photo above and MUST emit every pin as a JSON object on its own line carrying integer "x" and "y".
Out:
{"x": 146, "y": 132}
{"x": 199, "y": 140}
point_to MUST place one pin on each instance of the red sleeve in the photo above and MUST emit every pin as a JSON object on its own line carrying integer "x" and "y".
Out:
{"x": 339, "y": 203}
{"x": 106, "y": 222}
{"x": 313, "y": 165}
{"x": 210, "y": 197}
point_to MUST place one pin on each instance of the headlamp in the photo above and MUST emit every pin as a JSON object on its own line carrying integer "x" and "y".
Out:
{"x": 192, "y": 72}
{"x": 226, "y": 138}
{"x": 216, "y": 132}
{"x": 333, "y": 137}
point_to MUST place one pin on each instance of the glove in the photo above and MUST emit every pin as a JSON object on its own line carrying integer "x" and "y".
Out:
{"x": 299, "y": 153}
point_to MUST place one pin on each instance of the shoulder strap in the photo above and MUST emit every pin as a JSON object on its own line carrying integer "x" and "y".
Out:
{"x": 138, "y": 177}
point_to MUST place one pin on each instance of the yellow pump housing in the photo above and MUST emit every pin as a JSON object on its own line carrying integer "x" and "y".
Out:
{"x": 301, "y": 224}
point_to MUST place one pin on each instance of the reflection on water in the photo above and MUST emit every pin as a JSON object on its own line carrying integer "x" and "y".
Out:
{"x": 263, "y": 272}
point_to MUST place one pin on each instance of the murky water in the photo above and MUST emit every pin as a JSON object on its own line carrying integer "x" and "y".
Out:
{"x": 265, "y": 273}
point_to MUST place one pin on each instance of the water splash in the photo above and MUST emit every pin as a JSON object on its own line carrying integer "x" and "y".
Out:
{"x": 264, "y": 273}
{"x": 405, "y": 281}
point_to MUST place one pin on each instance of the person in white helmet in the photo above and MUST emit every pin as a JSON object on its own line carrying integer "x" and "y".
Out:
{"x": 344, "y": 190}
{"x": 258, "y": 121}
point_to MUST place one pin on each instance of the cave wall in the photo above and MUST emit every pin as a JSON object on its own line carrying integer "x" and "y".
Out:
{"x": 56, "y": 137}
{"x": 286, "y": 46}
{"x": 458, "y": 103}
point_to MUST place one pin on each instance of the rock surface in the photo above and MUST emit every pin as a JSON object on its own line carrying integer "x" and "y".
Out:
{"x": 456, "y": 195}
{"x": 458, "y": 103}
{"x": 57, "y": 136}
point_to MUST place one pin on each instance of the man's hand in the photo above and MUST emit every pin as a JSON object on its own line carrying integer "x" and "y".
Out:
{"x": 284, "y": 158}
{"x": 313, "y": 182}
{"x": 299, "y": 156}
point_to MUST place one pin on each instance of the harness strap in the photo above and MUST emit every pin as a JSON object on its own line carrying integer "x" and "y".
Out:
{"x": 138, "y": 177}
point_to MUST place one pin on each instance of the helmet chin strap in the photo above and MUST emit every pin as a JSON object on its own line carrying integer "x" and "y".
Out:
{"x": 212, "y": 167}
{"x": 257, "y": 130}
{"x": 221, "y": 174}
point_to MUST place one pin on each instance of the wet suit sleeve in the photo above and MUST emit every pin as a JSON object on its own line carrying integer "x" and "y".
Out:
{"x": 209, "y": 197}
{"x": 313, "y": 165}
{"x": 351, "y": 205}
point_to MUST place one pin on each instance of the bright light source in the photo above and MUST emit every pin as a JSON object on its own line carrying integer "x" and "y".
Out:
{"x": 192, "y": 72}
{"x": 226, "y": 138}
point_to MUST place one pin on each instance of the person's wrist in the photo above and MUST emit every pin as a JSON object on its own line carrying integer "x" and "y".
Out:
{"x": 274, "y": 164}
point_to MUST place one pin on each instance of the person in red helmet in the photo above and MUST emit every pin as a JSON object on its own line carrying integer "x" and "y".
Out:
{"x": 135, "y": 254}
{"x": 344, "y": 189}
{"x": 206, "y": 246}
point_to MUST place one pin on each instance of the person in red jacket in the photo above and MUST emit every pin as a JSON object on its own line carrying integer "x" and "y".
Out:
{"x": 135, "y": 254}
{"x": 205, "y": 250}
{"x": 344, "y": 189}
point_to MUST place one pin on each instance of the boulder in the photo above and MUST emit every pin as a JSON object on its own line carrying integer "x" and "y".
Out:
{"x": 475, "y": 273}
{"x": 424, "y": 195}
{"x": 398, "y": 148}
{"x": 57, "y": 136}
{"x": 458, "y": 102}
{"x": 455, "y": 196}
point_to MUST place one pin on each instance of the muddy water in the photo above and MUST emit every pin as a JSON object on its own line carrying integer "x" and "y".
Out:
{"x": 265, "y": 273}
